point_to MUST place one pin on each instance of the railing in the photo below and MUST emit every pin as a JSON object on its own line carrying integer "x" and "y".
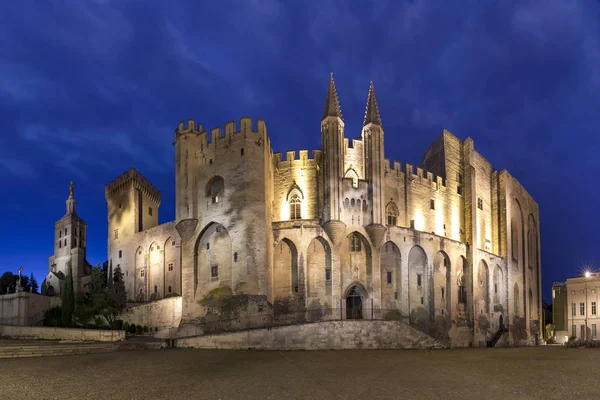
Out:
{"x": 235, "y": 321}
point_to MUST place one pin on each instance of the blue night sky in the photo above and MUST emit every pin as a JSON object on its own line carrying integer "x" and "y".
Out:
{"x": 89, "y": 89}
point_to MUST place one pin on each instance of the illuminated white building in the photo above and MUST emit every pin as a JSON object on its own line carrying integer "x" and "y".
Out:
{"x": 342, "y": 229}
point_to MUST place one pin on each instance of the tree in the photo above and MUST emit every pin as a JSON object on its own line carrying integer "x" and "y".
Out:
{"x": 33, "y": 284}
{"x": 116, "y": 296}
{"x": 8, "y": 282}
{"x": 105, "y": 296}
{"x": 68, "y": 298}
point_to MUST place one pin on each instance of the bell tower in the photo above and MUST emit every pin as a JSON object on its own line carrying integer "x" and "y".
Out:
{"x": 70, "y": 241}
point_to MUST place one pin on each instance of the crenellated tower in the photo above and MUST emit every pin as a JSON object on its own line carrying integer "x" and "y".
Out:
{"x": 374, "y": 160}
{"x": 132, "y": 203}
{"x": 332, "y": 137}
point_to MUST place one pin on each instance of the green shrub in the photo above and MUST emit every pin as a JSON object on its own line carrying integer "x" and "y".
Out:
{"x": 138, "y": 329}
{"x": 125, "y": 326}
{"x": 53, "y": 317}
{"x": 145, "y": 329}
{"x": 117, "y": 325}
{"x": 132, "y": 329}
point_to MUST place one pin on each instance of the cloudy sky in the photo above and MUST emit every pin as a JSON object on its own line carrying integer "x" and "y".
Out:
{"x": 89, "y": 89}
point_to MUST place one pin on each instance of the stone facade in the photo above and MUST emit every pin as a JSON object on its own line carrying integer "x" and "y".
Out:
{"x": 582, "y": 313}
{"x": 24, "y": 308}
{"x": 70, "y": 243}
{"x": 329, "y": 335}
{"x": 342, "y": 233}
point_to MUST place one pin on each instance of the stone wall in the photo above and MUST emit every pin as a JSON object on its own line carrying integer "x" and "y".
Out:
{"x": 25, "y": 308}
{"x": 157, "y": 315}
{"x": 47, "y": 333}
{"x": 332, "y": 335}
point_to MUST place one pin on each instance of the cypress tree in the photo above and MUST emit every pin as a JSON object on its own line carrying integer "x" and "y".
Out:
{"x": 68, "y": 298}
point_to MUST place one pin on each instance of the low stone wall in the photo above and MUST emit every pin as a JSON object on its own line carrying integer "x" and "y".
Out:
{"x": 47, "y": 333}
{"x": 24, "y": 308}
{"x": 330, "y": 335}
{"x": 158, "y": 315}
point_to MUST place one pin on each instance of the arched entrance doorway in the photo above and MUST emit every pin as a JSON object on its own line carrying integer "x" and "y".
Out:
{"x": 354, "y": 305}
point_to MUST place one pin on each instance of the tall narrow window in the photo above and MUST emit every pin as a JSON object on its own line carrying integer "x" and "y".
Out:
{"x": 480, "y": 203}
{"x": 150, "y": 211}
{"x": 462, "y": 290}
{"x": 593, "y": 308}
{"x": 432, "y": 204}
{"x": 389, "y": 277}
{"x": 391, "y": 211}
{"x": 354, "y": 243}
{"x": 419, "y": 280}
{"x": 295, "y": 203}
{"x": 573, "y": 309}
{"x": 581, "y": 308}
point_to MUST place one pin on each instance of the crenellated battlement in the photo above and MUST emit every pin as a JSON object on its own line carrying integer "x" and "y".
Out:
{"x": 219, "y": 137}
{"x": 419, "y": 174}
{"x": 296, "y": 160}
{"x": 131, "y": 179}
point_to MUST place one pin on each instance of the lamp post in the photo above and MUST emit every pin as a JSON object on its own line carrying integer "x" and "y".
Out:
{"x": 587, "y": 275}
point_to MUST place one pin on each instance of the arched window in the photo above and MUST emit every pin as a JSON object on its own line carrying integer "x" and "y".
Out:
{"x": 351, "y": 173}
{"x": 294, "y": 199}
{"x": 295, "y": 203}
{"x": 215, "y": 188}
{"x": 392, "y": 213}
{"x": 514, "y": 233}
{"x": 354, "y": 243}
{"x": 462, "y": 289}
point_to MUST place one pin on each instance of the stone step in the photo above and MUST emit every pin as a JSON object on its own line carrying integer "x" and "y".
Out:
{"x": 54, "y": 350}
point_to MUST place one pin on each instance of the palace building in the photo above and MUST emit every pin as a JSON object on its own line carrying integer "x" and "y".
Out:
{"x": 337, "y": 233}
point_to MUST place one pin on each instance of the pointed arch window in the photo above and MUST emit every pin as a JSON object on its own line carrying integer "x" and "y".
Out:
{"x": 391, "y": 212}
{"x": 295, "y": 204}
{"x": 294, "y": 199}
{"x": 514, "y": 233}
{"x": 354, "y": 243}
{"x": 351, "y": 174}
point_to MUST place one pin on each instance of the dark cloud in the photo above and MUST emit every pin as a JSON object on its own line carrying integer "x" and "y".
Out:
{"x": 91, "y": 88}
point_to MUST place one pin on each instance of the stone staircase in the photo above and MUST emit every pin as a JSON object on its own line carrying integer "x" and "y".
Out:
{"x": 45, "y": 348}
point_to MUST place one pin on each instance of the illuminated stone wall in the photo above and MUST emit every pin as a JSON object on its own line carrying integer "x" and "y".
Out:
{"x": 256, "y": 223}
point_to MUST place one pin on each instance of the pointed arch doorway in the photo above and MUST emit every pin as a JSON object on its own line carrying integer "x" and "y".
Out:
{"x": 355, "y": 301}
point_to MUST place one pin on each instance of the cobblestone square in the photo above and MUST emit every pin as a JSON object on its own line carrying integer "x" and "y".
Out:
{"x": 514, "y": 373}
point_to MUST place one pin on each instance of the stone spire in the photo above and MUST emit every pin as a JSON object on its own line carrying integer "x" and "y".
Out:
{"x": 71, "y": 200}
{"x": 372, "y": 111}
{"x": 332, "y": 103}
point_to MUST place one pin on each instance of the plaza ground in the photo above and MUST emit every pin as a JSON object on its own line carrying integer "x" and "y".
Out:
{"x": 514, "y": 373}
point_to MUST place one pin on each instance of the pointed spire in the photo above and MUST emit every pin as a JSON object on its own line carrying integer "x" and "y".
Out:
{"x": 332, "y": 103}
{"x": 372, "y": 113}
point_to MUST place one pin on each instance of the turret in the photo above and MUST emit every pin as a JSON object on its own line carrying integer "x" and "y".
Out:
{"x": 372, "y": 135}
{"x": 332, "y": 135}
